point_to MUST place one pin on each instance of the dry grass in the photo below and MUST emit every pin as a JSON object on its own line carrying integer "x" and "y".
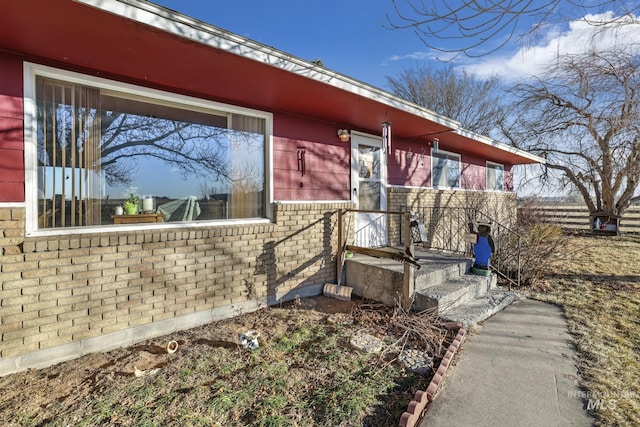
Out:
{"x": 303, "y": 373}
{"x": 599, "y": 288}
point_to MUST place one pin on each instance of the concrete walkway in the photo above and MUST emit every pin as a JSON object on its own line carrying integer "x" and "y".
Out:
{"x": 518, "y": 369}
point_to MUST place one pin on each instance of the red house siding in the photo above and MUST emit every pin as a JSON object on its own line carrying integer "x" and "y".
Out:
{"x": 414, "y": 169}
{"x": 327, "y": 173}
{"x": 474, "y": 174}
{"x": 326, "y": 160}
{"x": 410, "y": 165}
{"x": 11, "y": 130}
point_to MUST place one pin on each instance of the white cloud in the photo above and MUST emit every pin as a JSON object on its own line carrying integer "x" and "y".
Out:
{"x": 410, "y": 56}
{"x": 601, "y": 31}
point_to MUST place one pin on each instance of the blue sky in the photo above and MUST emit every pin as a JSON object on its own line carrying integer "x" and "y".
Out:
{"x": 350, "y": 37}
{"x": 347, "y": 35}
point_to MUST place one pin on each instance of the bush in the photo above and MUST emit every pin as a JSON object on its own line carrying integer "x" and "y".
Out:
{"x": 533, "y": 246}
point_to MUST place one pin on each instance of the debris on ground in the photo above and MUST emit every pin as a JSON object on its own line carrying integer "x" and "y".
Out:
{"x": 172, "y": 347}
{"x": 188, "y": 363}
{"x": 249, "y": 340}
{"x": 423, "y": 330}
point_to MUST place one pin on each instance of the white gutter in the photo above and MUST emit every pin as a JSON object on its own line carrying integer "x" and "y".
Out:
{"x": 499, "y": 145}
{"x": 198, "y": 31}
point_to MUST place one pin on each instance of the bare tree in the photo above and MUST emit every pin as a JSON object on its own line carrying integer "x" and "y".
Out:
{"x": 195, "y": 149}
{"x": 583, "y": 117}
{"x": 475, "y": 103}
{"x": 480, "y": 27}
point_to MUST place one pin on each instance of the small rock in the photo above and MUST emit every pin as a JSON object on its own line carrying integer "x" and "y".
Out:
{"x": 340, "y": 319}
{"x": 416, "y": 361}
{"x": 365, "y": 342}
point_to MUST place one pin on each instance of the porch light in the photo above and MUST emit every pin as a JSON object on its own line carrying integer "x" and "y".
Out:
{"x": 344, "y": 136}
{"x": 434, "y": 145}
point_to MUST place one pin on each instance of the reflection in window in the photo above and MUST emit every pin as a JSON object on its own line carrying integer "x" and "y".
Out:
{"x": 369, "y": 162}
{"x": 445, "y": 169}
{"x": 94, "y": 146}
{"x": 369, "y": 186}
{"x": 369, "y": 195}
{"x": 495, "y": 176}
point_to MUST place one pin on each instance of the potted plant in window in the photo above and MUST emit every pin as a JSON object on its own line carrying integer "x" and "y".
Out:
{"x": 130, "y": 205}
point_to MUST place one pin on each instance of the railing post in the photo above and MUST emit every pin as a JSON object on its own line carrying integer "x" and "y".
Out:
{"x": 407, "y": 283}
{"x": 519, "y": 266}
{"x": 340, "y": 246}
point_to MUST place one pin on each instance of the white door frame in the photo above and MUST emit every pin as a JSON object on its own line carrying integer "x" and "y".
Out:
{"x": 371, "y": 229}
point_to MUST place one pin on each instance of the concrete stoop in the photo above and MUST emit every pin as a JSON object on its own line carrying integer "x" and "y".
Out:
{"x": 434, "y": 271}
{"x": 443, "y": 284}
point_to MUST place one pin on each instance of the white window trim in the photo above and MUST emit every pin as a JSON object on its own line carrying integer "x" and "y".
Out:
{"x": 486, "y": 175}
{"x": 448, "y": 153}
{"x": 31, "y": 70}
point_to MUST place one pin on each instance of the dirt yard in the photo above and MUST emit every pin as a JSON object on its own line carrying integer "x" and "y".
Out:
{"x": 302, "y": 373}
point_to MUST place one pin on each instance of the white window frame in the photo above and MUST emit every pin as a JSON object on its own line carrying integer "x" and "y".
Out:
{"x": 31, "y": 70}
{"x": 492, "y": 166}
{"x": 458, "y": 158}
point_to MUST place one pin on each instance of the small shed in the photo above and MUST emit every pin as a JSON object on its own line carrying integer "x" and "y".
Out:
{"x": 605, "y": 223}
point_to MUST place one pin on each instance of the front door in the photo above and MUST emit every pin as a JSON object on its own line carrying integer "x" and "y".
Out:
{"x": 369, "y": 189}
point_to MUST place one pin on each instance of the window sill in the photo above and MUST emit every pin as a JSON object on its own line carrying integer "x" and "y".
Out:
{"x": 136, "y": 219}
{"x": 139, "y": 226}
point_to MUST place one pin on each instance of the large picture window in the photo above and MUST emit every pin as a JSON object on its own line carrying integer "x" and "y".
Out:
{"x": 495, "y": 176}
{"x": 445, "y": 169}
{"x": 97, "y": 146}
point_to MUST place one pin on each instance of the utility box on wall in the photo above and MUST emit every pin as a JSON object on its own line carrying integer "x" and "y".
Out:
{"x": 603, "y": 223}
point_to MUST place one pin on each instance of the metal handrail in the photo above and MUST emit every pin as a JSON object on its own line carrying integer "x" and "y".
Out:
{"x": 448, "y": 230}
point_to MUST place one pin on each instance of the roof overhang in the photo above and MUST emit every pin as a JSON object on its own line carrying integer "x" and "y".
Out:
{"x": 143, "y": 43}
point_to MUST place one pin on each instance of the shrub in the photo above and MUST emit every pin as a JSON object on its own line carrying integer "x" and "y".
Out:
{"x": 533, "y": 246}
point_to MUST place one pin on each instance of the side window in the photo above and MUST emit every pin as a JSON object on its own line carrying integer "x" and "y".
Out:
{"x": 495, "y": 176}
{"x": 445, "y": 169}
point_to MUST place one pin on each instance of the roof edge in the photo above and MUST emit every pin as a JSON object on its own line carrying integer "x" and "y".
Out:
{"x": 181, "y": 25}
{"x": 482, "y": 139}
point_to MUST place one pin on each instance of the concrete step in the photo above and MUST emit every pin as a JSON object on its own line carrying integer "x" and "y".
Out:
{"x": 375, "y": 278}
{"x": 442, "y": 281}
{"x": 439, "y": 271}
{"x": 453, "y": 292}
{"x": 471, "y": 312}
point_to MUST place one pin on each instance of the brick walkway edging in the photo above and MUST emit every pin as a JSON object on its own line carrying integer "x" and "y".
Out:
{"x": 422, "y": 398}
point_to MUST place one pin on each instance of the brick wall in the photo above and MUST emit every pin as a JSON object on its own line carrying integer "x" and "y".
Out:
{"x": 499, "y": 206}
{"x": 63, "y": 296}
{"x": 11, "y": 231}
{"x": 483, "y": 200}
